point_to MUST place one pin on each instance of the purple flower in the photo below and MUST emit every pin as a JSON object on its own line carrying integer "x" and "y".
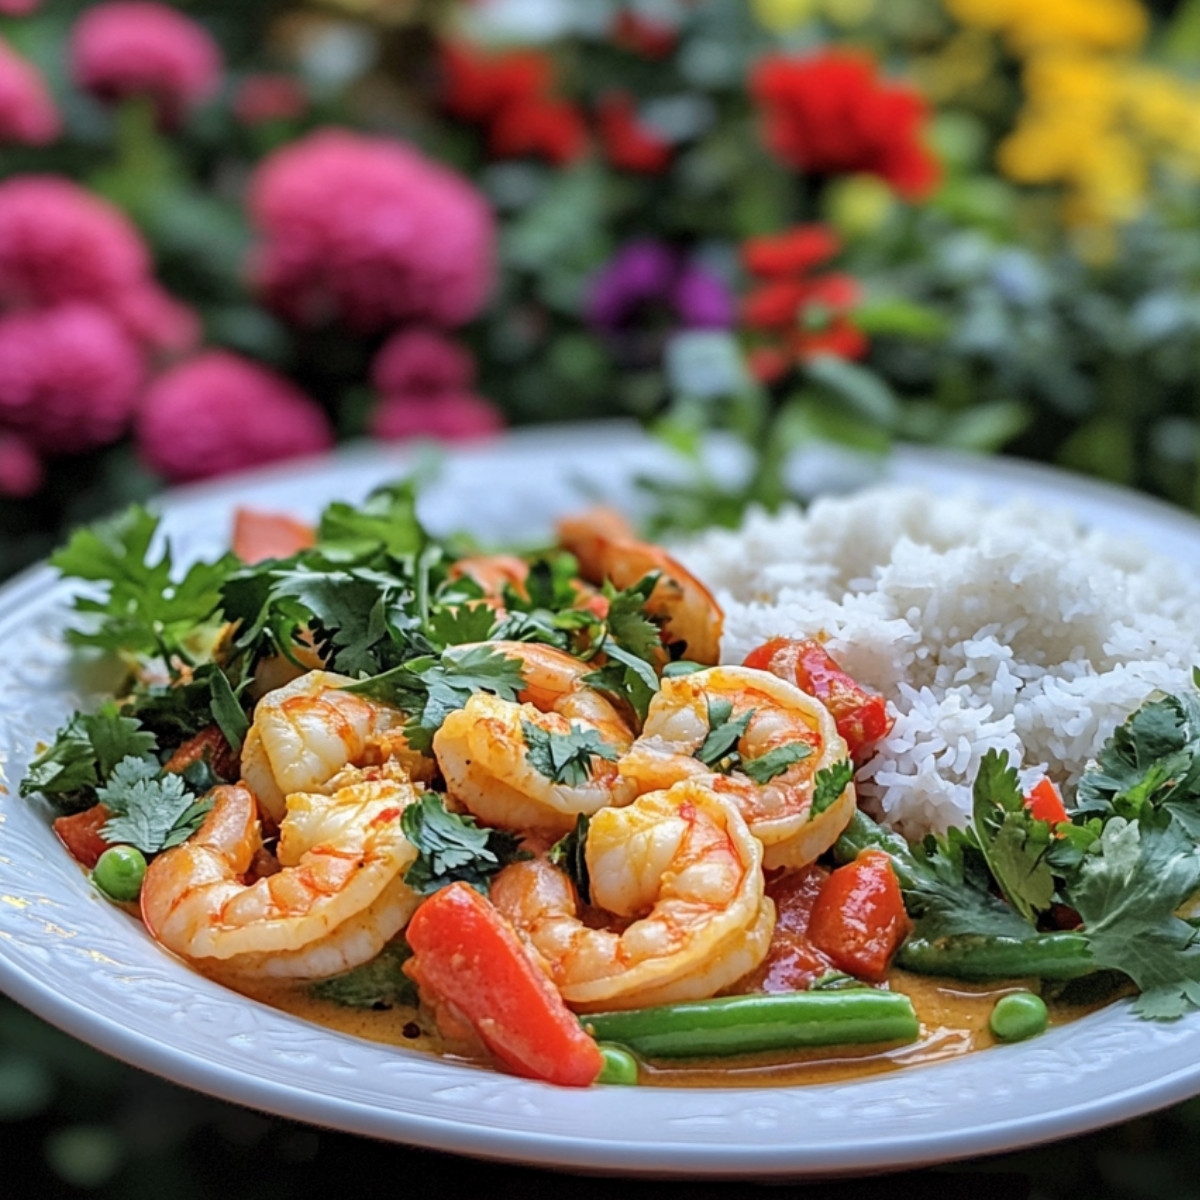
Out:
{"x": 649, "y": 291}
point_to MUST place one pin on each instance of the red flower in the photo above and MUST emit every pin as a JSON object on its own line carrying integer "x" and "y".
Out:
{"x": 27, "y": 113}
{"x": 831, "y": 114}
{"x": 220, "y": 412}
{"x": 630, "y": 145}
{"x": 651, "y": 39}
{"x": 143, "y": 48}
{"x": 800, "y": 315}
{"x": 546, "y": 128}
{"x": 510, "y": 95}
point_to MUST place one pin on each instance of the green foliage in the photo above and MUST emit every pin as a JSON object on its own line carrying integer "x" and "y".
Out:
{"x": 150, "y": 810}
{"x": 565, "y": 757}
{"x": 380, "y": 984}
{"x": 452, "y": 848}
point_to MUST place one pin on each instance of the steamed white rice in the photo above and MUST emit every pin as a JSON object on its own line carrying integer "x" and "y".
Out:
{"x": 986, "y": 627}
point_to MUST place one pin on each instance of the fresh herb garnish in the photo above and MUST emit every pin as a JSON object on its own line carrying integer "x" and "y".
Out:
{"x": 149, "y": 810}
{"x": 570, "y": 854}
{"x": 767, "y": 766}
{"x": 719, "y": 748}
{"x": 451, "y": 847}
{"x": 829, "y": 784}
{"x": 565, "y": 757}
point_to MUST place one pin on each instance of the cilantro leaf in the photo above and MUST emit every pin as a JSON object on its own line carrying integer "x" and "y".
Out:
{"x": 452, "y": 847}
{"x": 719, "y": 747}
{"x": 149, "y": 810}
{"x": 227, "y": 710}
{"x": 565, "y": 757}
{"x": 380, "y": 984}
{"x": 570, "y": 854}
{"x": 83, "y": 755}
{"x": 385, "y": 522}
{"x": 1014, "y": 844}
{"x": 626, "y": 677}
{"x": 830, "y": 783}
{"x": 1127, "y": 895}
{"x": 143, "y": 609}
{"x": 767, "y": 766}
{"x": 430, "y": 687}
{"x": 627, "y": 622}
{"x": 454, "y": 625}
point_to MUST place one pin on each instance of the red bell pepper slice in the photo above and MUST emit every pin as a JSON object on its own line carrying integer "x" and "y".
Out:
{"x": 261, "y": 535}
{"x": 467, "y": 953}
{"x": 80, "y": 833}
{"x": 1045, "y": 804}
{"x": 858, "y": 918}
{"x": 861, "y": 716}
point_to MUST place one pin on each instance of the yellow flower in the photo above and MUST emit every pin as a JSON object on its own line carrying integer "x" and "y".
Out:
{"x": 1032, "y": 24}
{"x": 781, "y": 15}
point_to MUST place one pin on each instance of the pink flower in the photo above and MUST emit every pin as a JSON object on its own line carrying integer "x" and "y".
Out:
{"x": 69, "y": 377}
{"x": 219, "y": 412}
{"x": 141, "y": 48}
{"x": 422, "y": 361}
{"x": 18, "y": 8}
{"x": 28, "y": 115}
{"x": 21, "y": 472}
{"x": 448, "y": 416}
{"x": 367, "y": 231}
{"x": 59, "y": 242}
{"x": 266, "y": 97}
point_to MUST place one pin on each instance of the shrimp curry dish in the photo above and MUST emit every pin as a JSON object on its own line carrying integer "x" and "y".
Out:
{"x": 530, "y": 812}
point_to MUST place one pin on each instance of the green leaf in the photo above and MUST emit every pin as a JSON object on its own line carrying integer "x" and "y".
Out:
{"x": 830, "y": 783}
{"x": 627, "y": 622}
{"x": 1127, "y": 895}
{"x": 720, "y": 744}
{"x": 227, "y": 710}
{"x": 83, "y": 755}
{"x": 149, "y": 810}
{"x": 570, "y": 854}
{"x": 565, "y": 757}
{"x": 767, "y": 766}
{"x": 380, "y": 984}
{"x": 626, "y": 677}
{"x": 386, "y": 521}
{"x": 866, "y": 392}
{"x": 1014, "y": 844}
{"x": 451, "y": 848}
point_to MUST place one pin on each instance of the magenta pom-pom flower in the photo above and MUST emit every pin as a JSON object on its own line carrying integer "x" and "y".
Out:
{"x": 367, "y": 231}
{"x": 28, "y": 115}
{"x": 18, "y": 8}
{"x": 447, "y": 416}
{"x": 60, "y": 243}
{"x": 219, "y": 412}
{"x": 21, "y": 470}
{"x": 422, "y": 361}
{"x": 70, "y": 377}
{"x": 139, "y": 48}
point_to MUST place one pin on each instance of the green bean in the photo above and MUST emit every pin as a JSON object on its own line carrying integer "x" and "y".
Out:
{"x": 119, "y": 872}
{"x": 620, "y": 1066}
{"x": 732, "y": 1025}
{"x": 981, "y": 957}
{"x": 1018, "y": 1016}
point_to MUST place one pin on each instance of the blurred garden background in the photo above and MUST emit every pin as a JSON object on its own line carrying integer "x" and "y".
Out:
{"x": 236, "y": 231}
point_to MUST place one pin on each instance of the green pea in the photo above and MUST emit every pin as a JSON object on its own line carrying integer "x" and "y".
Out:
{"x": 119, "y": 872}
{"x": 1018, "y": 1016}
{"x": 619, "y": 1065}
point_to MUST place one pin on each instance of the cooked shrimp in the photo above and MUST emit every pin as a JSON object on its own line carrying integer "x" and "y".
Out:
{"x": 483, "y": 749}
{"x": 681, "y": 875}
{"x": 607, "y": 548}
{"x": 337, "y": 899}
{"x": 779, "y": 810}
{"x": 306, "y": 731}
{"x": 493, "y": 573}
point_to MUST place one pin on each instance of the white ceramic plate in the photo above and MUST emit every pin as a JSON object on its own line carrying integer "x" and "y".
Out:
{"x": 86, "y": 966}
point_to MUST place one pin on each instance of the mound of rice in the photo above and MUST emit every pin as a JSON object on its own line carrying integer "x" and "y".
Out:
{"x": 985, "y": 627}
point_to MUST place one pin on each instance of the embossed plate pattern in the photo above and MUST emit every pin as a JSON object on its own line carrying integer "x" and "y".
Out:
{"x": 86, "y": 966}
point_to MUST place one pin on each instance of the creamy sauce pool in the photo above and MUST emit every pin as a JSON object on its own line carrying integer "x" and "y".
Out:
{"x": 953, "y": 1016}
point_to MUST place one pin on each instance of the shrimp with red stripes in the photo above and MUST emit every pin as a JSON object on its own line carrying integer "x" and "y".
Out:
{"x": 766, "y": 741}
{"x": 679, "y": 878}
{"x": 337, "y": 899}
{"x": 484, "y": 749}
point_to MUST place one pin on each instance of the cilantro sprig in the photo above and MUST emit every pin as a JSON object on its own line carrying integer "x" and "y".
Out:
{"x": 149, "y": 809}
{"x": 451, "y": 847}
{"x": 566, "y": 757}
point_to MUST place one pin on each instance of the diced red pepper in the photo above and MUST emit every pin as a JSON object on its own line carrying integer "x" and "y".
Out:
{"x": 861, "y": 716}
{"x": 793, "y": 963}
{"x": 80, "y": 833}
{"x": 261, "y": 535}
{"x": 467, "y": 953}
{"x": 210, "y": 742}
{"x": 858, "y": 918}
{"x": 1046, "y": 804}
